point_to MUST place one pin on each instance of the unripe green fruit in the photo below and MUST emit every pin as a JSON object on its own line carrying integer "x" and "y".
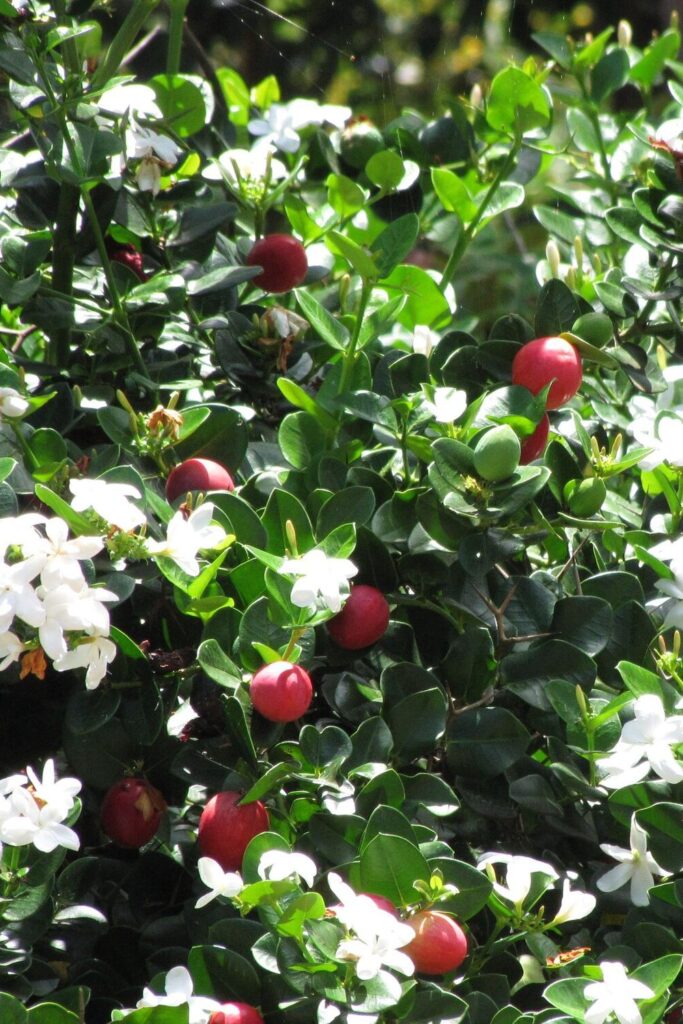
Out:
{"x": 595, "y": 328}
{"x": 497, "y": 454}
{"x": 585, "y": 497}
{"x": 359, "y": 141}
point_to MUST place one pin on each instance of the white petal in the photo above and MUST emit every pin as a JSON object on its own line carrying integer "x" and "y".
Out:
{"x": 615, "y": 877}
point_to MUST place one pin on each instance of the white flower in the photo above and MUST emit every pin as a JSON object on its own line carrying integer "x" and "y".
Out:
{"x": 11, "y": 403}
{"x": 186, "y": 536}
{"x": 645, "y": 744}
{"x": 31, "y": 823}
{"x": 636, "y": 865}
{"x": 520, "y": 871}
{"x": 17, "y": 596}
{"x": 446, "y": 405}
{"x": 672, "y": 588}
{"x": 321, "y": 581}
{"x": 11, "y": 649}
{"x": 18, "y": 530}
{"x": 94, "y": 653}
{"x": 154, "y": 152}
{"x": 277, "y": 865}
{"x": 10, "y": 783}
{"x": 424, "y": 340}
{"x": 129, "y": 97}
{"x": 327, "y": 1012}
{"x": 276, "y": 128}
{"x": 57, "y": 793}
{"x": 66, "y": 608}
{"x": 60, "y": 556}
{"x": 110, "y": 500}
{"x": 664, "y": 434}
{"x": 219, "y": 882}
{"x": 575, "y": 905}
{"x": 616, "y": 994}
{"x": 179, "y": 991}
{"x": 246, "y": 170}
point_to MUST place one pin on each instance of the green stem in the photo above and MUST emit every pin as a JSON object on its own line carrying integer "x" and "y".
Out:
{"x": 350, "y": 354}
{"x": 122, "y": 41}
{"x": 177, "y": 10}
{"x": 293, "y": 641}
{"x": 592, "y": 115}
{"x": 29, "y": 457}
{"x": 469, "y": 232}
{"x": 63, "y": 256}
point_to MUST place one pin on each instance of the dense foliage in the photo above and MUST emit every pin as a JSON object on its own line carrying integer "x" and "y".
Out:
{"x": 341, "y": 574}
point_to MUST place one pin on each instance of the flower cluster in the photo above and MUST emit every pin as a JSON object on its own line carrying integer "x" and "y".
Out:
{"x": 525, "y": 882}
{"x": 645, "y": 745}
{"x": 33, "y": 810}
{"x": 46, "y": 606}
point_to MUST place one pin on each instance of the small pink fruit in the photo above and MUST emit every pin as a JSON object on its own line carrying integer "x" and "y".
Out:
{"x": 226, "y": 828}
{"x": 281, "y": 691}
{"x": 128, "y": 255}
{"x": 236, "y": 1013}
{"x": 363, "y": 619}
{"x": 197, "y": 475}
{"x": 543, "y": 360}
{"x": 131, "y": 812}
{"x": 533, "y": 446}
{"x": 439, "y": 945}
{"x": 284, "y": 262}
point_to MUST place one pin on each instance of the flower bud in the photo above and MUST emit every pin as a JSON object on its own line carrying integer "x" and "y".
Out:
{"x": 552, "y": 254}
{"x": 624, "y": 33}
{"x": 476, "y": 96}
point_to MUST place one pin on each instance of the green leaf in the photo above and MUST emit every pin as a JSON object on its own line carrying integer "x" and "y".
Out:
{"x": 309, "y": 907}
{"x": 557, "y": 309}
{"x": 640, "y": 681}
{"x": 295, "y": 394}
{"x": 181, "y": 101}
{"x": 453, "y": 194}
{"x": 385, "y": 169}
{"x": 659, "y": 974}
{"x": 360, "y": 259}
{"x": 527, "y": 673}
{"x": 388, "y": 867}
{"x": 653, "y": 61}
{"x": 425, "y": 302}
{"x": 609, "y": 74}
{"x": 11, "y": 1010}
{"x": 51, "y": 1013}
{"x": 283, "y": 506}
{"x": 583, "y": 621}
{"x": 516, "y": 103}
{"x": 218, "y": 665}
{"x": 328, "y": 327}
{"x": 223, "y": 973}
{"x": 87, "y": 710}
{"x": 556, "y": 45}
{"x": 485, "y": 741}
{"x": 301, "y": 439}
{"x": 417, "y": 723}
{"x": 351, "y": 505}
{"x": 664, "y": 823}
{"x": 395, "y": 242}
{"x": 344, "y": 195}
{"x": 593, "y": 51}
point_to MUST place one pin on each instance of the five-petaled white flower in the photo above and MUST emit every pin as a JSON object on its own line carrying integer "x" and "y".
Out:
{"x": 32, "y": 823}
{"x": 248, "y": 171}
{"x": 93, "y": 653}
{"x": 60, "y": 557}
{"x": 58, "y": 793}
{"x": 69, "y": 609}
{"x": 519, "y": 876}
{"x": 645, "y": 743}
{"x": 12, "y": 404}
{"x": 322, "y": 581}
{"x": 186, "y": 536}
{"x": 219, "y": 882}
{"x": 636, "y": 865}
{"x": 17, "y": 596}
{"x": 110, "y": 500}
{"x": 615, "y": 994}
{"x": 179, "y": 991}
{"x": 277, "y": 865}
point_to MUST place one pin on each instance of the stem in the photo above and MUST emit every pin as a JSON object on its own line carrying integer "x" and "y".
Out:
{"x": 63, "y": 255}
{"x": 175, "y": 35}
{"x": 468, "y": 233}
{"x": 293, "y": 641}
{"x": 29, "y": 457}
{"x": 591, "y": 114}
{"x": 123, "y": 41}
{"x": 350, "y": 354}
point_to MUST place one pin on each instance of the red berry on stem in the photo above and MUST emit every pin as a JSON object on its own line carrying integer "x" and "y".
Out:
{"x": 533, "y": 446}
{"x": 226, "y": 828}
{"x": 197, "y": 475}
{"x": 131, "y": 812}
{"x": 284, "y": 263}
{"x": 363, "y": 619}
{"x": 439, "y": 945}
{"x": 281, "y": 691}
{"x": 236, "y": 1013}
{"x": 128, "y": 255}
{"x": 543, "y": 360}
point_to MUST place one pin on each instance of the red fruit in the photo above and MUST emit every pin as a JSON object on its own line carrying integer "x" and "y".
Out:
{"x": 284, "y": 263}
{"x": 363, "y": 619}
{"x": 226, "y": 829}
{"x": 131, "y": 812}
{"x": 539, "y": 362}
{"x": 236, "y": 1013}
{"x": 281, "y": 692}
{"x": 534, "y": 445}
{"x": 439, "y": 945}
{"x": 197, "y": 475}
{"x": 128, "y": 255}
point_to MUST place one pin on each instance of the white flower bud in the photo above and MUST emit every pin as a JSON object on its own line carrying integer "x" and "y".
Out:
{"x": 624, "y": 33}
{"x": 476, "y": 96}
{"x": 552, "y": 254}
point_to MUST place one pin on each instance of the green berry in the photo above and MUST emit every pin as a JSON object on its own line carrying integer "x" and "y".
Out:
{"x": 595, "y": 328}
{"x": 585, "y": 497}
{"x": 497, "y": 454}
